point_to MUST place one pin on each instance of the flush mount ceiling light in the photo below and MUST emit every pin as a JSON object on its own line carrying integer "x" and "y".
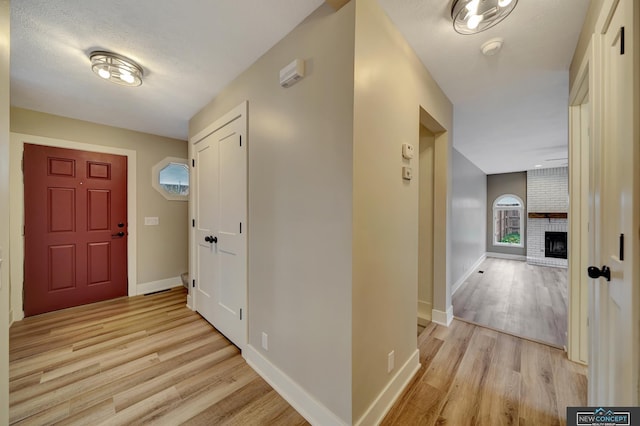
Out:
{"x": 474, "y": 16}
{"x": 116, "y": 68}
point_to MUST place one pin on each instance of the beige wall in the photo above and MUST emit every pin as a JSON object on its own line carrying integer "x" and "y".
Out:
{"x": 161, "y": 250}
{"x": 299, "y": 201}
{"x": 4, "y": 212}
{"x": 506, "y": 183}
{"x": 391, "y": 85}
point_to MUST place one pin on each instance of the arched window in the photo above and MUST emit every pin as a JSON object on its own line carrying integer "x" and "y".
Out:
{"x": 508, "y": 221}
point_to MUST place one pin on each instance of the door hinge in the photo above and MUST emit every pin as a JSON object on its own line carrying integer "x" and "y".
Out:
{"x": 622, "y": 40}
{"x": 621, "y": 254}
{"x": 193, "y": 223}
{"x": 240, "y": 314}
{"x": 241, "y": 227}
{"x": 193, "y": 162}
{"x": 193, "y": 283}
{"x": 240, "y": 140}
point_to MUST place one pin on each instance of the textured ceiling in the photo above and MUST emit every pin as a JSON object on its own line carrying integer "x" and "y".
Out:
{"x": 189, "y": 49}
{"x": 510, "y": 109}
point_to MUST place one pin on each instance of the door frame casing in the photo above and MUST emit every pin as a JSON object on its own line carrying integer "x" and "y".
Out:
{"x": 579, "y": 175}
{"x": 16, "y": 215}
{"x": 238, "y": 113}
{"x": 593, "y": 66}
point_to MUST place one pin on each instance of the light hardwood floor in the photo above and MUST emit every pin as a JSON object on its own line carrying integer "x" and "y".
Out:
{"x": 146, "y": 359}
{"x": 513, "y": 296}
{"x": 472, "y": 375}
{"x": 149, "y": 359}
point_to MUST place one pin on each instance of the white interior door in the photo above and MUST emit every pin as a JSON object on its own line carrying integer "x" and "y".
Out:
{"x": 220, "y": 229}
{"x": 615, "y": 358}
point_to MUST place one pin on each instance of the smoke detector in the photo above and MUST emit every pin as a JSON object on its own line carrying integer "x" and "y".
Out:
{"x": 491, "y": 47}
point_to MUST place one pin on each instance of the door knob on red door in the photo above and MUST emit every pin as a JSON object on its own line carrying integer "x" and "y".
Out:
{"x": 595, "y": 272}
{"x": 119, "y": 234}
{"x": 211, "y": 239}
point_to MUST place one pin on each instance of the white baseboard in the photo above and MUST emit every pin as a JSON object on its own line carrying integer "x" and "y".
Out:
{"x": 190, "y": 302}
{"x": 304, "y": 403}
{"x": 424, "y": 313}
{"x": 467, "y": 274}
{"x": 385, "y": 400}
{"x": 442, "y": 318}
{"x": 153, "y": 286}
{"x": 506, "y": 256}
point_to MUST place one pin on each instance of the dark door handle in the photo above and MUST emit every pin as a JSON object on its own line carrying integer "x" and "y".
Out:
{"x": 211, "y": 239}
{"x": 119, "y": 234}
{"x": 595, "y": 272}
{"x": 121, "y": 225}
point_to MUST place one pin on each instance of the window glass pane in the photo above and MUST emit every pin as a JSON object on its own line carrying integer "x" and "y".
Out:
{"x": 174, "y": 178}
{"x": 507, "y": 226}
{"x": 508, "y": 202}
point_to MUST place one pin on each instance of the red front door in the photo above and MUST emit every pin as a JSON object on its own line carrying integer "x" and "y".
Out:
{"x": 75, "y": 228}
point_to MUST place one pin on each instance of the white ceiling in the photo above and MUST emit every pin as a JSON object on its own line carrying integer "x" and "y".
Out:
{"x": 510, "y": 109}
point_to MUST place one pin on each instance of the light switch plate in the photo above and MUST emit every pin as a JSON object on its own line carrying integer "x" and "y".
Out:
{"x": 151, "y": 221}
{"x": 407, "y": 151}
{"x": 406, "y": 173}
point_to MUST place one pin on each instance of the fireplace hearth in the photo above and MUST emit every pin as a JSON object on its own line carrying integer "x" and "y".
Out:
{"x": 555, "y": 245}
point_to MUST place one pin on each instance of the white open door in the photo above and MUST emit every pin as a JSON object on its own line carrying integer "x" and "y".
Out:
{"x": 219, "y": 240}
{"x": 614, "y": 332}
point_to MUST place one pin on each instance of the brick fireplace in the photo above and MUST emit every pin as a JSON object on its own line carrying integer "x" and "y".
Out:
{"x": 547, "y": 223}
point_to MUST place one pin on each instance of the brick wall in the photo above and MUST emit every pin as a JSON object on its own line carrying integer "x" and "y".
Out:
{"x": 547, "y": 192}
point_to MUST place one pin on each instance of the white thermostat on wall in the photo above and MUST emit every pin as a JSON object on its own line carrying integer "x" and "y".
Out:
{"x": 407, "y": 151}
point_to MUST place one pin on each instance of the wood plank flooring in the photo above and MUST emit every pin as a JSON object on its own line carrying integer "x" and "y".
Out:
{"x": 150, "y": 360}
{"x": 472, "y": 375}
{"x": 146, "y": 359}
{"x": 513, "y": 296}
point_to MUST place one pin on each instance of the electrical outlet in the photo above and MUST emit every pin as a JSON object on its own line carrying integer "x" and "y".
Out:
{"x": 265, "y": 341}
{"x": 391, "y": 361}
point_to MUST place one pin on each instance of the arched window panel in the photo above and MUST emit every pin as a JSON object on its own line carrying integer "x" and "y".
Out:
{"x": 508, "y": 221}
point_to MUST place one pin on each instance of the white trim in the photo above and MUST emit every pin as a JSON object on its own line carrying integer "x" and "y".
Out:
{"x": 506, "y": 256}
{"x": 304, "y": 403}
{"x": 232, "y": 115}
{"x": 605, "y": 16}
{"x": 467, "y": 274}
{"x": 159, "y": 285}
{"x": 496, "y": 209}
{"x": 17, "y": 199}
{"x": 424, "y": 312}
{"x": 391, "y": 392}
{"x": 442, "y": 318}
{"x": 190, "y": 302}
